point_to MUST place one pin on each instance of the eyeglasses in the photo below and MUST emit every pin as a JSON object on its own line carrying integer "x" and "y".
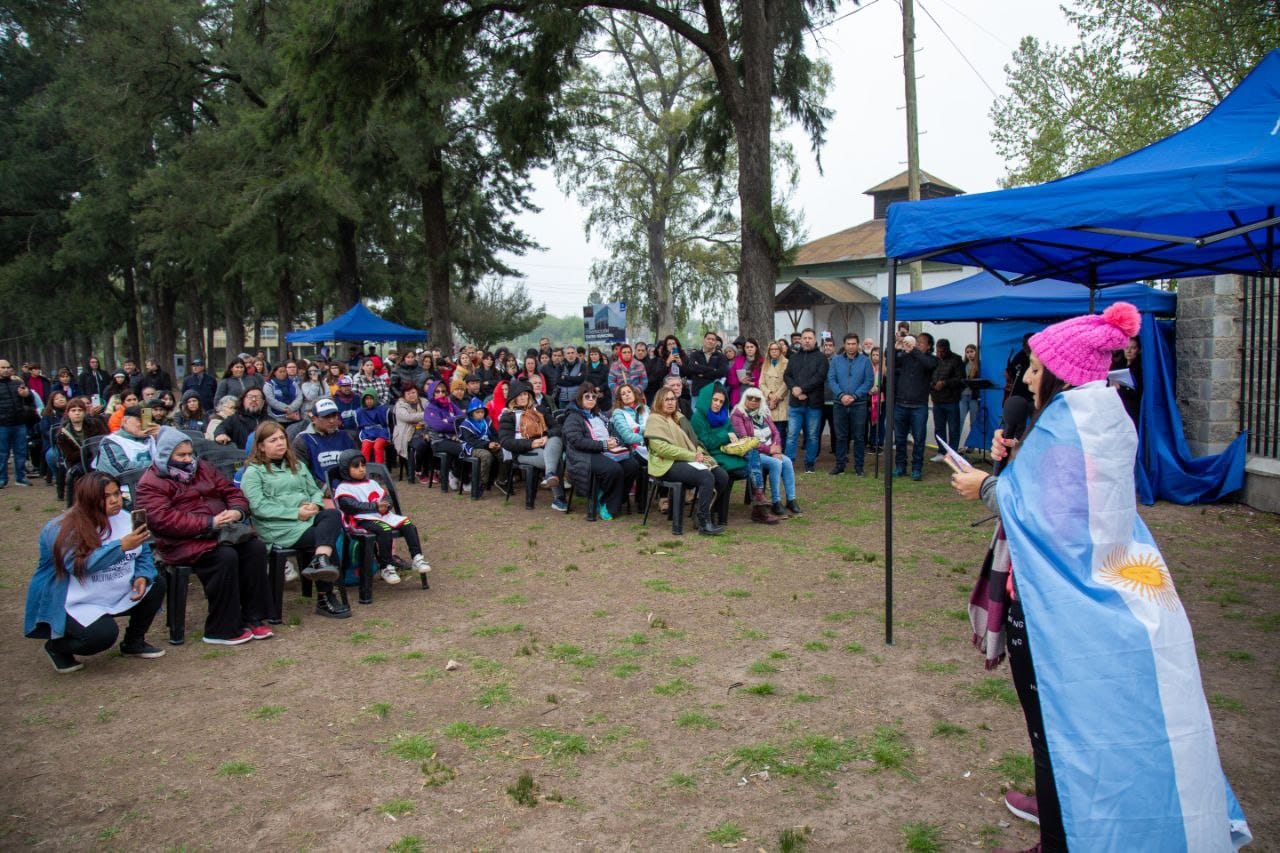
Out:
{"x": 588, "y": 396}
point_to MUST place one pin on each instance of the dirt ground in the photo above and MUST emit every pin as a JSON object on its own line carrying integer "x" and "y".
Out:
{"x": 663, "y": 693}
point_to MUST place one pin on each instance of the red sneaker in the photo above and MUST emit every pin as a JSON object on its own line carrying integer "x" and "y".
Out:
{"x": 261, "y": 632}
{"x": 1023, "y": 805}
{"x": 233, "y": 641}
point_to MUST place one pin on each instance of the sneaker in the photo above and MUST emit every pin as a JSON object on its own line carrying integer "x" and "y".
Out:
{"x": 603, "y": 513}
{"x": 63, "y": 663}
{"x": 234, "y": 641}
{"x": 917, "y": 476}
{"x": 1023, "y": 806}
{"x": 423, "y": 479}
{"x": 794, "y": 508}
{"x": 899, "y": 472}
{"x": 23, "y": 483}
{"x": 320, "y": 569}
{"x": 420, "y": 564}
{"x": 550, "y": 481}
{"x": 809, "y": 469}
{"x": 261, "y": 632}
{"x": 141, "y": 649}
{"x": 466, "y": 488}
{"x": 837, "y": 471}
{"x": 291, "y": 570}
{"x": 859, "y": 474}
{"x": 390, "y": 575}
{"x": 938, "y": 457}
{"x": 328, "y": 604}
{"x": 559, "y": 505}
{"x": 454, "y": 483}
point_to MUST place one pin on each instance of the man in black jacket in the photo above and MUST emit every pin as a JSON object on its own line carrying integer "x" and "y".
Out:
{"x": 17, "y": 411}
{"x": 806, "y": 376}
{"x": 153, "y": 376}
{"x": 913, "y": 372}
{"x": 202, "y": 383}
{"x": 948, "y": 382}
{"x": 93, "y": 380}
{"x": 707, "y": 365}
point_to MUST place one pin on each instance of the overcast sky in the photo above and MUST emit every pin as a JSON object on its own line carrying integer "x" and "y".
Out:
{"x": 866, "y": 140}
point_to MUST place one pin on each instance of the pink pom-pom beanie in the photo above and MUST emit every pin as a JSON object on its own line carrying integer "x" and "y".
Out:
{"x": 1079, "y": 350}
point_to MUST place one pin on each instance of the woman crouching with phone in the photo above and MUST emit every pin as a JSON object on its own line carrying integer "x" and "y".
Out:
{"x": 95, "y": 564}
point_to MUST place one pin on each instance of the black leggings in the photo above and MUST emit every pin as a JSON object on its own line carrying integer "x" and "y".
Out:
{"x": 613, "y": 479}
{"x": 385, "y": 539}
{"x": 709, "y": 483}
{"x": 235, "y": 585}
{"x": 421, "y": 449}
{"x": 324, "y": 530}
{"x": 100, "y": 634}
{"x": 1052, "y": 836}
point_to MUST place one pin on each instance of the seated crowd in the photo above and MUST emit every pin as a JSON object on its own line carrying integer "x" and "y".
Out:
{"x": 142, "y": 462}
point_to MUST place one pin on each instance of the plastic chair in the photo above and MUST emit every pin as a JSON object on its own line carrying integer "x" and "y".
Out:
{"x": 446, "y": 463}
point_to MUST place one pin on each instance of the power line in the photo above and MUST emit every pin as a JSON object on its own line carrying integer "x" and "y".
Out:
{"x": 951, "y": 41}
{"x": 962, "y": 14}
{"x": 846, "y": 15}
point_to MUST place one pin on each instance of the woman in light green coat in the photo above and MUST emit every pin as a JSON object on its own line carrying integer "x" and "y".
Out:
{"x": 288, "y": 512}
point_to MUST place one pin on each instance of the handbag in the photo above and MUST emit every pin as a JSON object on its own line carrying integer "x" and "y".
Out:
{"x": 741, "y": 447}
{"x": 236, "y": 533}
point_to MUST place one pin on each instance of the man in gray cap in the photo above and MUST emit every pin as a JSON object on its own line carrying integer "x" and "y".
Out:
{"x": 202, "y": 383}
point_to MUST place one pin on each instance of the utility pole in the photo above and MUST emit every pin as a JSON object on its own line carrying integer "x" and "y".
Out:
{"x": 913, "y": 125}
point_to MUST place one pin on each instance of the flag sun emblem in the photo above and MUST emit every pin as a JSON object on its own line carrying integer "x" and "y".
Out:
{"x": 1141, "y": 571}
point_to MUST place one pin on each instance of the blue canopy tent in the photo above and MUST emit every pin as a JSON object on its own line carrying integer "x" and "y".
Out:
{"x": 1200, "y": 202}
{"x": 357, "y": 324}
{"x": 1007, "y": 313}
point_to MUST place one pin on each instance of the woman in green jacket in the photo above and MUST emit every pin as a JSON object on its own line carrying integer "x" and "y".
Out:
{"x": 288, "y": 511}
{"x": 674, "y": 454}
{"x": 711, "y": 426}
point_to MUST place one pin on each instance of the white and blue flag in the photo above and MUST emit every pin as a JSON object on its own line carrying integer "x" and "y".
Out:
{"x": 1130, "y": 738}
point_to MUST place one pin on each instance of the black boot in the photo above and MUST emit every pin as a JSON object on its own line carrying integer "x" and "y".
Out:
{"x": 329, "y": 604}
{"x": 320, "y": 569}
{"x": 794, "y": 507}
{"x": 707, "y": 527}
{"x": 777, "y": 509}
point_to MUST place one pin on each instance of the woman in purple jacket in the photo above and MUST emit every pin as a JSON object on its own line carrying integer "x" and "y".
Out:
{"x": 751, "y": 418}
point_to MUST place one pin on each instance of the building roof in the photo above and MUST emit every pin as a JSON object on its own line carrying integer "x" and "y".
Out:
{"x": 861, "y": 242}
{"x": 807, "y": 292}
{"x": 899, "y": 182}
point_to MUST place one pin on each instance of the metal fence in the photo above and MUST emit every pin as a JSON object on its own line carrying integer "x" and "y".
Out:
{"x": 1260, "y": 366}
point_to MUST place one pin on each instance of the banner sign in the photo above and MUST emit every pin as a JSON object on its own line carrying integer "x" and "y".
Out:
{"x": 605, "y": 324}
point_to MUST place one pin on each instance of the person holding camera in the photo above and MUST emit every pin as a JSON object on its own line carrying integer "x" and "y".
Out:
{"x": 95, "y": 565}
{"x": 913, "y": 366}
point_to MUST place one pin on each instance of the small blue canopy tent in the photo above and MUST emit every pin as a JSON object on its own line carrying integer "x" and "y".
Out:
{"x": 983, "y": 297}
{"x": 1165, "y": 469}
{"x": 1200, "y": 202}
{"x": 357, "y": 324}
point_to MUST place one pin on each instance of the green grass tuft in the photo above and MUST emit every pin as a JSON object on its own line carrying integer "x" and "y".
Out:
{"x": 411, "y": 747}
{"x": 494, "y": 630}
{"x": 674, "y": 687}
{"x": 922, "y": 837}
{"x": 1018, "y": 769}
{"x": 945, "y": 729}
{"x": 473, "y": 736}
{"x": 726, "y": 833}
{"x": 398, "y": 807}
{"x": 624, "y": 670}
{"x": 1223, "y": 702}
{"x": 995, "y": 689}
{"x": 234, "y": 769}
{"x": 524, "y": 791}
{"x": 268, "y": 712}
{"x": 764, "y": 688}
{"x": 681, "y": 780}
{"x": 556, "y": 745}
{"x": 695, "y": 720}
{"x": 408, "y": 844}
{"x": 496, "y": 694}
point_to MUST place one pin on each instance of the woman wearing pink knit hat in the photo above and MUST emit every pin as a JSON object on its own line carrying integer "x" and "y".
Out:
{"x": 1099, "y": 645}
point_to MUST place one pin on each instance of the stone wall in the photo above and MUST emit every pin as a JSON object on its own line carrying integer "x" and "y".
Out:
{"x": 1208, "y": 354}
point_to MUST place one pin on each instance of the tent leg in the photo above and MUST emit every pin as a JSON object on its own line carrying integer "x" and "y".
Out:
{"x": 887, "y": 361}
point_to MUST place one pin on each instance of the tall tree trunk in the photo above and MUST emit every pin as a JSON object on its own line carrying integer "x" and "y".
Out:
{"x": 257, "y": 331}
{"x": 761, "y": 252}
{"x": 664, "y": 309}
{"x": 233, "y": 318}
{"x": 435, "y": 231}
{"x": 206, "y": 332}
{"x": 195, "y": 340}
{"x": 284, "y": 289}
{"x": 348, "y": 265}
{"x": 133, "y": 326}
{"x": 84, "y": 349}
{"x": 108, "y": 361}
{"x": 164, "y": 305}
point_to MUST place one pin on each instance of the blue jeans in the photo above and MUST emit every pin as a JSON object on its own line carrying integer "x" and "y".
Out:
{"x": 807, "y": 420}
{"x": 850, "y": 423}
{"x": 13, "y": 438}
{"x": 971, "y": 408}
{"x": 915, "y": 419}
{"x": 782, "y": 475}
{"x": 755, "y": 475}
{"x": 946, "y": 423}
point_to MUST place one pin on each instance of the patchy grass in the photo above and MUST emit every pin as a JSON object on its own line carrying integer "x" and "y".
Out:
{"x": 816, "y": 646}
{"x": 674, "y": 687}
{"x": 268, "y": 712}
{"x": 1017, "y": 769}
{"x": 1223, "y": 702}
{"x": 556, "y": 745}
{"x": 922, "y": 837}
{"x": 473, "y": 736}
{"x": 572, "y": 654}
{"x": 682, "y": 780}
{"x": 408, "y": 844}
{"x": 524, "y": 791}
{"x": 411, "y": 747}
{"x": 695, "y": 720}
{"x": 236, "y": 769}
{"x": 945, "y": 729}
{"x": 793, "y": 839}
{"x": 764, "y": 688}
{"x": 379, "y": 709}
{"x": 726, "y": 833}
{"x": 624, "y": 670}
{"x": 762, "y": 667}
{"x": 495, "y": 630}
{"x": 398, "y": 807}
{"x": 996, "y": 690}
{"x": 495, "y": 694}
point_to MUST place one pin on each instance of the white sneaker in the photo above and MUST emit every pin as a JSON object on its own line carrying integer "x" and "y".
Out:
{"x": 290, "y": 570}
{"x": 938, "y": 458}
{"x": 420, "y": 564}
{"x": 454, "y": 483}
{"x": 390, "y": 575}
{"x": 466, "y": 488}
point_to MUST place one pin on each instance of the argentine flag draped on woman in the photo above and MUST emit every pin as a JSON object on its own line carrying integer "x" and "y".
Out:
{"x": 1128, "y": 729}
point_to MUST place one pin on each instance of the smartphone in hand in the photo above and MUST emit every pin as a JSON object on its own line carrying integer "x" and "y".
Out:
{"x": 139, "y": 518}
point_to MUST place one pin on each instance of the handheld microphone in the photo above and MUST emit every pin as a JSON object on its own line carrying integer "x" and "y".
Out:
{"x": 1013, "y": 420}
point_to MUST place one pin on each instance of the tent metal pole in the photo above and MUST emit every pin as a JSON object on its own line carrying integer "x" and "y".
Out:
{"x": 887, "y": 359}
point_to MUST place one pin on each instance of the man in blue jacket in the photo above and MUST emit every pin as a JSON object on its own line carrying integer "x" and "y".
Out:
{"x": 849, "y": 382}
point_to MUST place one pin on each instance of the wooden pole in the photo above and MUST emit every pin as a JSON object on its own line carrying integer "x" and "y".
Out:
{"x": 913, "y": 125}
